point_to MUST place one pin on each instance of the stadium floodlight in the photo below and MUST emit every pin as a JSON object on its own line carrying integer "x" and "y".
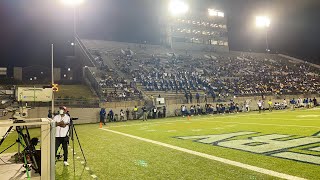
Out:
{"x": 178, "y": 7}
{"x": 212, "y": 12}
{"x": 262, "y": 21}
{"x": 72, "y": 2}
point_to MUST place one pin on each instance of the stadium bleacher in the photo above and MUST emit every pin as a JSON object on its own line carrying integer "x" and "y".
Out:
{"x": 168, "y": 73}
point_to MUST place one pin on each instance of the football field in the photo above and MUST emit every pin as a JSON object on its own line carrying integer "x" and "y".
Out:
{"x": 276, "y": 145}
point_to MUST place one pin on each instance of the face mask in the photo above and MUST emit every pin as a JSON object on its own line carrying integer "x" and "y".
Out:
{"x": 61, "y": 112}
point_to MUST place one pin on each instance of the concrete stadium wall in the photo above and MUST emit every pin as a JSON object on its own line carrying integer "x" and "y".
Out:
{"x": 91, "y": 115}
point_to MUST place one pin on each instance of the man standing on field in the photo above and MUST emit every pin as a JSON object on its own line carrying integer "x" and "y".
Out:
{"x": 270, "y": 105}
{"x": 259, "y": 105}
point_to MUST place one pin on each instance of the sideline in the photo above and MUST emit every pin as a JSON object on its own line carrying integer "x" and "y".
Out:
{"x": 263, "y": 124}
{"x": 215, "y": 158}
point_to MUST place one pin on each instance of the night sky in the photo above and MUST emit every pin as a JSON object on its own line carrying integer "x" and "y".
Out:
{"x": 28, "y": 27}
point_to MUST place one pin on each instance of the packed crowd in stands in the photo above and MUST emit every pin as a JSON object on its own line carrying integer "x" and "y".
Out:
{"x": 219, "y": 76}
{"x": 119, "y": 89}
{"x": 225, "y": 76}
{"x": 113, "y": 86}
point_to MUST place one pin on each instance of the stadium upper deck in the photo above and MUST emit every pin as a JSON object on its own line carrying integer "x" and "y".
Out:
{"x": 200, "y": 28}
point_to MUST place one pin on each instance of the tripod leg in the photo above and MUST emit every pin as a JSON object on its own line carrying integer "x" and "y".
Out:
{"x": 5, "y": 136}
{"x": 85, "y": 160}
{"x": 74, "y": 166}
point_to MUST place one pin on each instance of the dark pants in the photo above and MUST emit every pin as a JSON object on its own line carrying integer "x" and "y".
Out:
{"x": 111, "y": 118}
{"x": 64, "y": 142}
{"x": 102, "y": 119}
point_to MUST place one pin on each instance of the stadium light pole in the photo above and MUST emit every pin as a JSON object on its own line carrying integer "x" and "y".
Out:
{"x": 74, "y": 4}
{"x": 52, "y": 80}
{"x": 176, "y": 8}
{"x": 264, "y": 23}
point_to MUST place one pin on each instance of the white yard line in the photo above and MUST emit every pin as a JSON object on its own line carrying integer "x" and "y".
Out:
{"x": 146, "y": 123}
{"x": 263, "y": 124}
{"x": 215, "y": 158}
{"x": 285, "y": 119}
{"x": 226, "y": 122}
{"x": 216, "y": 117}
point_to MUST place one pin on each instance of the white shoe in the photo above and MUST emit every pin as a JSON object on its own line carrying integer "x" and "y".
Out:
{"x": 66, "y": 163}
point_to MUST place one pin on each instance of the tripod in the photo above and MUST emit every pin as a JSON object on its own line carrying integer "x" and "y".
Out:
{"x": 72, "y": 130}
{"x": 29, "y": 147}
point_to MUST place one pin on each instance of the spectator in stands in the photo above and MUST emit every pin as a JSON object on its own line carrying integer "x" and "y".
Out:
{"x": 205, "y": 98}
{"x": 198, "y": 97}
{"x": 187, "y": 97}
{"x": 102, "y": 116}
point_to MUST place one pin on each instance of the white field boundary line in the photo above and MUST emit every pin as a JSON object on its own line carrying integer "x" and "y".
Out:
{"x": 227, "y": 122}
{"x": 215, "y": 158}
{"x": 204, "y": 119}
{"x": 285, "y": 119}
{"x": 262, "y": 124}
{"x": 146, "y": 123}
{"x": 150, "y": 122}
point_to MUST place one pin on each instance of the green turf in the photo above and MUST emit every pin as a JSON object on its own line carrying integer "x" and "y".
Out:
{"x": 82, "y": 91}
{"x": 114, "y": 156}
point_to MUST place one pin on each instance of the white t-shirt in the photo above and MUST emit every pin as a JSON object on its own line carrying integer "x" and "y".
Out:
{"x": 284, "y": 102}
{"x": 259, "y": 104}
{"x": 62, "y": 131}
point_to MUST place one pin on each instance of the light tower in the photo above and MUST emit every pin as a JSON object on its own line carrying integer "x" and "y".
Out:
{"x": 263, "y": 22}
{"x": 73, "y": 4}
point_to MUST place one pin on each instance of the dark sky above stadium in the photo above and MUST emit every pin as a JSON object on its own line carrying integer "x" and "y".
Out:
{"x": 28, "y": 27}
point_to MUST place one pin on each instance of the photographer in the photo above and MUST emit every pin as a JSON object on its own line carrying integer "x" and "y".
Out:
{"x": 62, "y": 127}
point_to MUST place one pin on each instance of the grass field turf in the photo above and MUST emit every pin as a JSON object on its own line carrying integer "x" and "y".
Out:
{"x": 114, "y": 156}
{"x": 82, "y": 91}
